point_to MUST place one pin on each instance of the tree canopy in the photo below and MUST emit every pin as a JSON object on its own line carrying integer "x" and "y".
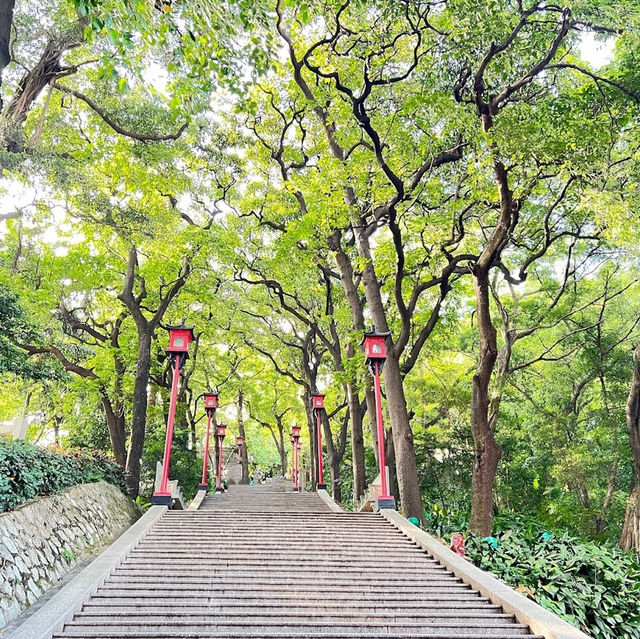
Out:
{"x": 286, "y": 175}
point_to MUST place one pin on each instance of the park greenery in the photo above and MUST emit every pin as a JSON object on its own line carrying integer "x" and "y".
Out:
{"x": 286, "y": 175}
{"x": 28, "y": 471}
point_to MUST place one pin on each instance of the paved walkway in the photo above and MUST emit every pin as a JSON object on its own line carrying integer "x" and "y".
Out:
{"x": 264, "y": 562}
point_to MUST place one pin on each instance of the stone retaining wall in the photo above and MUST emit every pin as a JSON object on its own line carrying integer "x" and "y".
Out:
{"x": 41, "y": 541}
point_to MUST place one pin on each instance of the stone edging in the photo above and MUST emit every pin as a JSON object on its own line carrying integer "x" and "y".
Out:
{"x": 52, "y": 616}
{"x": 196, "y": 502}
{"x": 540, "y": 621}
{"x": 327, "y": 499}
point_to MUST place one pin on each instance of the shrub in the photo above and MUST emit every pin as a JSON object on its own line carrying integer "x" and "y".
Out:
{"x": 28, "y": 471}
{"x": 593, "y": 586}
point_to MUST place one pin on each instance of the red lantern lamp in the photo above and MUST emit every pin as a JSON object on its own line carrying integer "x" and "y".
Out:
{"x": 221, "y": 430}
{"x": 295, "y": 431}
{"x": 210, "y": 400}
{"x": 375, "y": 346}
{"x": 239, "y": 441}
{"x": 317, "y": 400}
{"x": 180, "y": 337}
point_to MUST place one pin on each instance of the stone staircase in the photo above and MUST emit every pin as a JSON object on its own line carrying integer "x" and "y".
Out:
{"x": 264, "y": 562}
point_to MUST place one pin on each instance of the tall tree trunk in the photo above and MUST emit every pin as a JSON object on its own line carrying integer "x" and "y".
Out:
{"x": 405, "y": 455}
{"x": 282, "y": 450}
{"x": 390, "y": 453}
{"x": 345, "y": 269}
{"x": 606, "y": 504}
{"x": 311, "y": 426}
{"x": 487, "y": 451}
{"x": 357, "y": 441}
{"x": 333, "y": 459}
{"x": 244, "y": 455}
{"x": 139, "y": 411}
{"x": 116, "y": 427}
{"x": 406, "y": 466}
{"x": 630, "y": 537}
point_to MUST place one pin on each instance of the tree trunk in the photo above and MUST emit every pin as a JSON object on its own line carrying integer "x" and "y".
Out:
{"x": 244, "y": 455}
{"x": 487, "y": 451}
{"x": 630, "y": 537}
{"x": 606, "y": 504}
{"x": 311, "y": 426}
{"x": 6, "y": 21}
{"x": 357, "y": 316}
{"x": 357, "y": 442}
{"x": 406, "y": 467}
{"x": 116, "y": 428}
{"x": 139, "y": 411}
{"x": 390, "y": 453}
{"x": 282, "y": 450}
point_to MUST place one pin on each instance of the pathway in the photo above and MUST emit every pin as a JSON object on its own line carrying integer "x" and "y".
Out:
{"x": 264, "y": 562}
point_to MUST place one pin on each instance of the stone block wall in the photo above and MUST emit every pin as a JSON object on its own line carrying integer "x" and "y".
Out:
{"x": 42, "y": 540}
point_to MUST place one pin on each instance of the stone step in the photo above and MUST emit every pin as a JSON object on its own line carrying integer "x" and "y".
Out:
{"x": 266, "y": 592}
{"x": 302, "y": 599}
{"x": 231, "y": 585}
{"x": 105, "y": 632}
{"x": 237, "y": 570}
{"x": 293, "y": 616}
{"x": 459, "y": 610}
{"x": 205, "y": 623}
{"x": 409, "y": 555}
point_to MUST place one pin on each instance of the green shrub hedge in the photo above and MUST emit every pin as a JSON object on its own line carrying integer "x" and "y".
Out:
{"x": 28, "y": 471}
{"x": 593, "y": 586}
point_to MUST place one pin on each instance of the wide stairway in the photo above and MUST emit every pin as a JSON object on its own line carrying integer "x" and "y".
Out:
{"x": 264, "y": 562}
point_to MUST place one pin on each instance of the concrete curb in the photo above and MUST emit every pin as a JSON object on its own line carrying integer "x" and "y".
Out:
{"x": 52, "y": 616}
{"x": 196, "y": 502}
{"x": 328, "y": 499}
{"x": 540, "y": 621}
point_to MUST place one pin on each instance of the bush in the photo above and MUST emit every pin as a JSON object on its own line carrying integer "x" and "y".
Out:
{"x": 28, "y": 471}
{"x": 593, "y": 586}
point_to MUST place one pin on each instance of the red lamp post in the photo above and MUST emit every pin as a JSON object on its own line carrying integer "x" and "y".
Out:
{"x": 220, "y": 432}
{"x": 317, "y": 403}
{"x": 299, "y": 469}
{"x": 180, "y": 337}
{"x": 239, "y": 443}
{"x": 375, "y": 350}
{"x": 210, "y": 405}
{"x": 295, "y": 450}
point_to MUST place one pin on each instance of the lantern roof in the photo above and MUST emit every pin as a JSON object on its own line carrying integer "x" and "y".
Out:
{"x": 374, "y": 333}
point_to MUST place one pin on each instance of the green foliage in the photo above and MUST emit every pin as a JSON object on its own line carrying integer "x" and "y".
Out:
{"x": 16, "y": 328}
{"x": 28, "y": 471}
{"x": 595, "y": 587}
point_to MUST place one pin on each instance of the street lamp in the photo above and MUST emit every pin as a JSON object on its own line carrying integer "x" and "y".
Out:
{"x": 180, "y": 337}
{"x": 317, "y": 403}
{"x": 375, "y": 350}
{"x": 210, "y": 405}
{"x": 220, "y": 432}
{"x": 239, "y": 442}
{"x": 295, "y": 457}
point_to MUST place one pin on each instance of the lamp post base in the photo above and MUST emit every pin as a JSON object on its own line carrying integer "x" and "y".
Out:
{"x": 204, "y": 487}
{"x": 297, "y": 490}
{"x": 161, "y": 499}
{"x": 219, "y": 489}
{"x": 385, "y": 501}
{"x": 321, "y": 487}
